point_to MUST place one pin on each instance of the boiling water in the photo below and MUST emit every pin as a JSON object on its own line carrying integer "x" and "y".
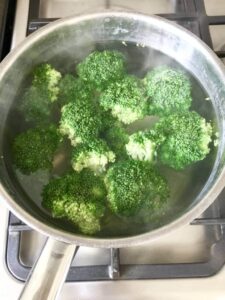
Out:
{"x": 184, "y": 185}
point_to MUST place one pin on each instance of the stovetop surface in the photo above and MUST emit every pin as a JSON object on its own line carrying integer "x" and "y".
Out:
{"x": 199, "y": 246}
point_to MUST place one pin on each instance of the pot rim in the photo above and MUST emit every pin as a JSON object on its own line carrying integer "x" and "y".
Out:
{"x": 67, "y": 237}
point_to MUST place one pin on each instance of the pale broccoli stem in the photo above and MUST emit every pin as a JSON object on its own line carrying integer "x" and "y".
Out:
{"x": 94, "y": 155}
{"x": 143, "y": 145}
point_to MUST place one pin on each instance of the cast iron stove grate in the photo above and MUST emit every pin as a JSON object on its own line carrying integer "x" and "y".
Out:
{"x": 192, "y": 15}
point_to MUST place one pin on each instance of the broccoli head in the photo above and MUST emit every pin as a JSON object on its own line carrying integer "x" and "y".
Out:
{"x": 169, "y": 91}
{"x": 81, "y": 121}
{"x": 86, "y": 215}
{"x": 101, "y": 68}
{"x": 187, "y": 139}
{"x": 115, "y": 135}
{"x": 35, "y": 106}
{"x": 47, "y": 78}
{"x": 77, "y": 197}
{"x": 34, "y": 149}
{"x": 37, "y": 100}
{"x": 143, "y": 145}
{"x": 94, "y": 155}
{"x": 126, "y": 99}
{"x": 132, "y": 184}
{"x": 72, "y": 89}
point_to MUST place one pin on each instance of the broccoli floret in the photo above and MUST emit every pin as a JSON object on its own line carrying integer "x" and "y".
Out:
{"x": 35, "y": 106}
{"x": 37, "y": 100}
{"x": 72, "y": 89}
{"x": 169, "y": 91}
{"x": 115, "y": 135}
{"x": 94, "y": 155}
{"x": 107, "y": 120}
{"x": 187, "y": 139}
{"x": 34, "y": 149}
{"x": 101, "y": 68}
{"x": 81, "y": 121}
{"x": 126, "y": 99}
{"x": 133, "y": 184}
{"x": 47, "y": 78}
{"x": 84, "y": 184}
{"x": 86, "y": 215}
{"x": 77, "y": 197}
{"x": 143, "y": 145}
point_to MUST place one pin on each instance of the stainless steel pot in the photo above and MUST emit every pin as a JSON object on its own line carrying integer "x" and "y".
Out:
{"x": 72, "y": 39}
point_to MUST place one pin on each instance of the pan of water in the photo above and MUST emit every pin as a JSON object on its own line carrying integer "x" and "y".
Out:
{"x": 146, "y": 42}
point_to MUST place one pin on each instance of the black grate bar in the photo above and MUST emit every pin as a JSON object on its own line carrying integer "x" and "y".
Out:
{"x": 220, "y": 53}
{"x": 122, "y": 271}
{"x": 189, "y": 6}
{"x": 6, "y": 26}
{"x": 216, "y": 20}
{"x": 200, "y": 8}
{"x": 209, "y": 221}
{"x": 178, "y": 17}
{"x": 203, "y": 22}
{"x": 40, "y": 22}
{"x": 35, "y": 24}
{"x": 34, "y": 9}
{"x": 179, "y": 6}
{"x": 189, "y": 23}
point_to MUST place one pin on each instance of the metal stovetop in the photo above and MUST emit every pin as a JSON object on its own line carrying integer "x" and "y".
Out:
{"x": 192, "y": 251}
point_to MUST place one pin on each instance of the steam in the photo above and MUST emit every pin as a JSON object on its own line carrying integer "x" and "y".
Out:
{"x": 141, "y": 59}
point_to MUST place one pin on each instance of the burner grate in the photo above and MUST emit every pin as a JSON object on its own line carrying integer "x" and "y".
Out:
{"x": 114, "y": 270}
{"x": 7, "y": 9}
{"x": 190, "y": 14}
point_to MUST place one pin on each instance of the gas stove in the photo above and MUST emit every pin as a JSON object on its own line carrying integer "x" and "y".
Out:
{"x": 185, "y": 264}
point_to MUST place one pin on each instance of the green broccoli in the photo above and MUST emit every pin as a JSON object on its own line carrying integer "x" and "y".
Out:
{"x": 77, "y": 197}
{"x": 101, "y": 68}
{"x": 37, "y": 100}
{"x": 73, "y": 89}
{"x": 114, "y": 134}
{"x": 107, "y": 120}
{"x": 132, "y": 184}
{"x": 47, "y": 78}
{"x": 143, "y": 145}
{"x": 34, "y": 149}
{"x": 86, "y": 215}
{"x": 169, "y": 91}
{"x": 95, "y": 107}
{"x": 116, "y": 137}
{"x": 94, "y": 155}
{"x": 35, "y": 106}
{"x": 81, "y": 121}
{"x": 126, "y": 99}
{"x": 187, "y": 139}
